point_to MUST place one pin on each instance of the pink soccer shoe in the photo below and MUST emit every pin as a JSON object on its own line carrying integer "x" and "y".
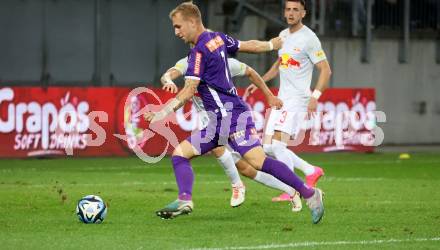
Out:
{"x": 282, "y": 197}
{"x": 312, "y": 179}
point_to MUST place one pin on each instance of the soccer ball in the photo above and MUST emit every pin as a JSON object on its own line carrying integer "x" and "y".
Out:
{"x": 91, "y": 209}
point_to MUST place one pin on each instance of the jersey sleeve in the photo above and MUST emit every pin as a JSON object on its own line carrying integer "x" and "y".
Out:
{"x": 182, "y": 65}
{"x": 314, "y": 50}
{"x": 284, "y": 34}
{"x": 196, "y": 64}
{"x": 236, "y": 67}
{"x": 232, "y": 44}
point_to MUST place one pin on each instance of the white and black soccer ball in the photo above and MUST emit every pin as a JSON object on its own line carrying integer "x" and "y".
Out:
{"x": 91, "y": 209}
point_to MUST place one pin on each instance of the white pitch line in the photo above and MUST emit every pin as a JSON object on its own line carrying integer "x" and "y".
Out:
{"x": 324, "y": 243}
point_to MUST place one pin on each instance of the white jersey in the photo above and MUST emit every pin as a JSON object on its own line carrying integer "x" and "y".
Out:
{"x": 297, "y": 56}
{"x": 236, "y": 67}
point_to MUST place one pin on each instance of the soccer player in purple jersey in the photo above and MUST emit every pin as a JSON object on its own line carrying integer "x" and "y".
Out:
{"x": 230, "y": 160}
{"x": 230, "y": 119}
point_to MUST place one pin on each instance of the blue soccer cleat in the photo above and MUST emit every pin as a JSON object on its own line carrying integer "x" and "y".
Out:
{"x": 175, "y": 208}
{"x": 316, "y": 206}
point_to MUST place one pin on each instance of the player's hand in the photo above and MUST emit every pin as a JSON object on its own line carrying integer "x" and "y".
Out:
{"x": 251, "y": 89}
{"x": 149, "y": 116}
{"x": 311, "y": 107}
{"x": 277, "y": 42}
{"x": 275, "y": 102}
{"x": 154, "y": 116}
{"x": 170, "y": 87}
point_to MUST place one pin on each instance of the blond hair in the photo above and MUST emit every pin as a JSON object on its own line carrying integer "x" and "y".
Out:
{"x": 187, "y": 10}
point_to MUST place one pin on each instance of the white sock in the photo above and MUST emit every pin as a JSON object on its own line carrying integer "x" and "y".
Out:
{"x": 273, "y": 182}
{"x": 227, "y": 162}
{"x": 268, "y": 149}
{"x": 282, "y": 153}
{"x": 301, "y": 164}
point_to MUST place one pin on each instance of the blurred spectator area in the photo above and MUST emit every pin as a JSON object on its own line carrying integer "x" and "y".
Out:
{"x": 387, "y": 17}
{"x": 346, "y": 18}
{"x": 389, "y": 14}
{"x": 86, "y": 42}
{"x": 120, "y": 42}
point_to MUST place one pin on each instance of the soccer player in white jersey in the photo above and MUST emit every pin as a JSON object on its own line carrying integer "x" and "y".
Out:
{"x": 299, "y": 54}
{"x": 227, "y": 159}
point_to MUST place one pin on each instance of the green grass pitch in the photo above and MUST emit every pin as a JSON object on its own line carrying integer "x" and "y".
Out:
{"x": 373, "y": 201}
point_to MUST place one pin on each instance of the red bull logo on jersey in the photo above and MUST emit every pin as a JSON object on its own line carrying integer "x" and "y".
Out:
{"x": 287, "y": 61}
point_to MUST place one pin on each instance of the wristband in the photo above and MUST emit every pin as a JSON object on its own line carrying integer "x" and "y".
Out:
{"x": 168, "y": 109}
{"x": 316, "y": 94}
{"x": 167, "y": 78}
{"x": 270, "y": 46}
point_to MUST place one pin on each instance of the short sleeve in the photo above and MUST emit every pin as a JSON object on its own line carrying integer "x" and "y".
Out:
{"x": 314, "y": 50}
{"x": 284, "y": 34}
{"x": 236, "y": 67}
{"x": 182, "y": 65}
{"x": 196, "y": 64}
{"x": 232, "y": 44}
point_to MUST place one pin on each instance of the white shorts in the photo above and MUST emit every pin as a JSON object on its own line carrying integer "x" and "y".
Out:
{"x": 289, "y": 122}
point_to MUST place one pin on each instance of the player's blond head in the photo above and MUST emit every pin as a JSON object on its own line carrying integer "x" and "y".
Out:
{"x": 187, "y": 10}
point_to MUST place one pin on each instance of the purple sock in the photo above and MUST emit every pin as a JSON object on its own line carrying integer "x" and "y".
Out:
{"x": 282, "y": 172}
{"x": 184, "y": 177}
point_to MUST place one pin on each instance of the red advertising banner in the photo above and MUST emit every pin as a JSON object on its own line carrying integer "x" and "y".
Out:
{"x": 344, "y": 122}
{"x": 46, "y": 121}
{"x": 105, "y": 121}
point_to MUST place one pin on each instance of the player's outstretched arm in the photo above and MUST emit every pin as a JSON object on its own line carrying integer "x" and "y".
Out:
{"x": 272, "y": 100}
{"x": 255, "y": 46}
{"x": 167, "y": 80}
{"x": 322, "y": 84}
{"x": 270, "y": 74}
{"x": 181, "y": 98}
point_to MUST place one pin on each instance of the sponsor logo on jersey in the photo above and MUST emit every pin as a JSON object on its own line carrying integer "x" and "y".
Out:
{"x": 197, "y": 63}
{"x": 231, "y": 41}
{"x": 320, "y": 54}
{"x": 235, "y": 136}
{"x": 287, "y": 61}
{"x": 214, "y": 43}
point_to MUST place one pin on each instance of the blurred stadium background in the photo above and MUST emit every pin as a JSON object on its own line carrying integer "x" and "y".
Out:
{"x": 392, "y": 46}
{"x": 86, "y": 55}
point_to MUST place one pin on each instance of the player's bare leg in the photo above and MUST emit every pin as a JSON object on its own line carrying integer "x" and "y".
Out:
{"x": 225, "y": 159}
